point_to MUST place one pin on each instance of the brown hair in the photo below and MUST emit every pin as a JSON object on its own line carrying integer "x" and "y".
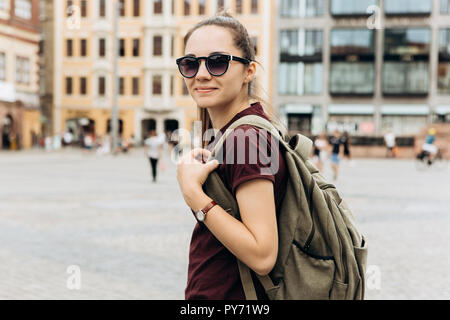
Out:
{"x": 242, "y": 41}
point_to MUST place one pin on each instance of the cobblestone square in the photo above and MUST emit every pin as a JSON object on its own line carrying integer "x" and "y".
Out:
{"x": 129, "y": 237}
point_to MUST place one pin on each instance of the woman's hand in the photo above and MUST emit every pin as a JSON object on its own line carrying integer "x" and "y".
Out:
{"x": 192, "y": 172}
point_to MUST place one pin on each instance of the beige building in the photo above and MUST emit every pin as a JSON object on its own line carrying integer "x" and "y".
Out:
{"x": 19, "y": 73}
{"x": 150, "y": 33}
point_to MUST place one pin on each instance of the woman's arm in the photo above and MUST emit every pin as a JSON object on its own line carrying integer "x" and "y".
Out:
{"x": 254, "y": 241}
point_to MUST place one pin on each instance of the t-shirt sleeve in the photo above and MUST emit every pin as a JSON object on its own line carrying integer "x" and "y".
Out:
{"x": 250, "y": 154}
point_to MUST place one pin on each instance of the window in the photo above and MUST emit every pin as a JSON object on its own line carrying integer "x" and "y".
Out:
{"x": 300, "y": 78}
{"x": 444, "y": 78}
{"x": 352, "y": 41}
{"x": 444, "y": 44}
{"x": 220, "y": 4}
{"x": 412, "y": 41}
{"x": 445, "y": 6}
{"x": 122, "y": 47}
{"x": 254, "y": 8}
{"x": 157, "y": 45}
{"x": 201, "y": 7}
{"x": 157, "y": 85}
{"x": 3, "y": 4}
{"x": 444, "y": 62}
{"x": 102, "y": 8}
{"x": 300, "y": 62}
{"x": 136, "y": 8}
{"x": 102, "y": 47}
{"x": 69, "y": 8}
{"x": 135, "y": 47}
{"x": 22, "y": 70}
{"x": 171, "y": 85}
{"x": 254, "y": 41}
{"x": 68, "y": 85}
{"x": 69, "y": 47}
{"x": 122, "y": 8}
{"x": 101, "y": 86}
{"x": 121, "y": 86}
{"x": 83, "y": 85}
{"x": 22, "y": 9}
{"x": 83, "y": 8}
{"x": 406, "y": 61}
{"x": 83, "y": 47}
{"x": 399, "y": 7}
{"x": 352, "y": 68}
{"x": 352, "y": 78}
{"x": 405, "y": 78}
{"x": 172, "y": 46}
{"x": 135, "y": 86}
{"x": 299, "y": 45}
{"x": 302, "y": 8}
{"x": 2, "y": 66}
{"x": 239, "y": 8}
{"x": 351, "y": 7}
{"x": 158, "y": 6}
{"x": 187, "y": 7}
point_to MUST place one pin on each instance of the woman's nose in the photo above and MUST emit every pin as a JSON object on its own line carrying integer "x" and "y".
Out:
{"x": 202, "y": 70}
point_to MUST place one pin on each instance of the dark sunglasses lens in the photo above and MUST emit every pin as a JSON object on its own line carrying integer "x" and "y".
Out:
{"x": 188, "y": 67}
{"x": 217, "y": 65}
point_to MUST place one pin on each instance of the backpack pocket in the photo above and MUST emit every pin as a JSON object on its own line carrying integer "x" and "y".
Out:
{"x": 361, "y": 258}
{"x": 339, "y": 290}
{"x": 310, "y": 277}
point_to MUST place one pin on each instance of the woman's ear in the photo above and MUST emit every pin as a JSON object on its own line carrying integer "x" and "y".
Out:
{"x": 251, "y": 71}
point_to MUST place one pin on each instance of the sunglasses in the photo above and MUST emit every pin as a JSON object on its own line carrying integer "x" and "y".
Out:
{"x": 216, "y": 64}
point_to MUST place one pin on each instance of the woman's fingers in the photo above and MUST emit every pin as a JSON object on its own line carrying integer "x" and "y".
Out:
{"x": 200, "y": 154}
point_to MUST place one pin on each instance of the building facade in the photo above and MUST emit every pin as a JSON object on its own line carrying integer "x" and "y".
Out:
{"x": 362, "y": 66}
{"x": 152, "y": 94}
{"x": 19, "y": 73}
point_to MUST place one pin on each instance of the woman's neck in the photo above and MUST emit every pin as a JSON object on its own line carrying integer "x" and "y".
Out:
{"x": 221, "y": 116}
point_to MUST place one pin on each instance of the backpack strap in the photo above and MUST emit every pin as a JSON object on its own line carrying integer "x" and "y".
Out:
{"x": 253, "y": 120}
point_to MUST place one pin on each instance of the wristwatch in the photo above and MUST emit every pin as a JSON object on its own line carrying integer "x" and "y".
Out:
{"x": 201, "y": 214}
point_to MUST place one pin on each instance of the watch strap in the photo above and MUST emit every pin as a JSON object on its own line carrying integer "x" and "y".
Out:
{"x": 209, "y": 206}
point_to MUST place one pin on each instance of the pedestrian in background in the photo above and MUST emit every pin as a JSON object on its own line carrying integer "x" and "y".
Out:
{"x": 389, "y": 139}
{"x": 345, "y": 141}
{"x": 153, "y": 148}
{"x": 335, "y": 143}
{"x": 321, "y": 146}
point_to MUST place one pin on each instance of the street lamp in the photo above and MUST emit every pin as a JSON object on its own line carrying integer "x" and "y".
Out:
{"x": 114, "y": 110}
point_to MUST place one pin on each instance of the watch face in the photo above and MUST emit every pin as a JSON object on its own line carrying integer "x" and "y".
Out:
{"x": 200, "y": 215}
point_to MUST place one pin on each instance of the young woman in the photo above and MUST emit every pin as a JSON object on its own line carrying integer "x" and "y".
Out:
{"x": 218, "y": 68}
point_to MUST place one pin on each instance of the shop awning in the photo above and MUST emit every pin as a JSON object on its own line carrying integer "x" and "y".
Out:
{"x": 443, "y": 110}
{"x": 350, "y": 109}
{"x": 405, "y": 109}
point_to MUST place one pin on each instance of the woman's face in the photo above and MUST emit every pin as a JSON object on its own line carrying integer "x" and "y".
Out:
{"x": 227, "y": 87}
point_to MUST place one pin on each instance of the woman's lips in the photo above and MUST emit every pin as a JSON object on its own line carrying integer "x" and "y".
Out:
{"x": 205, "y": 90}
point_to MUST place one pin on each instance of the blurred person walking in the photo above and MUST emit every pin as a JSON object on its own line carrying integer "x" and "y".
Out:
{"x": 346, "y": 142}
{"x": 389, "y": 139}
{"x": 153, "y": 148}
{"x": 320, "y": 150}
{"x": 335, "y": 143}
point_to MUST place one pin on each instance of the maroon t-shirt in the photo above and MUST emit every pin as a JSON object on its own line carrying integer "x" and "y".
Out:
{"x": 213, "y": 271}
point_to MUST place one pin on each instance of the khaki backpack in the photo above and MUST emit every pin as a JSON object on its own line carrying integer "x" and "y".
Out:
{"x": 321, "y": 253}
